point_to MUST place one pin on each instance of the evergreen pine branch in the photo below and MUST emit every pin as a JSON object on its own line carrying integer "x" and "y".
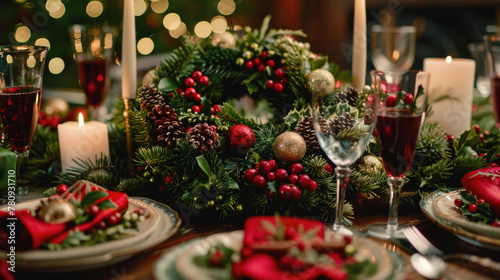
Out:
{"x": 294, "y": 71}
{"x": 152, "y": 157}
{"x": 368, "y": 184}
{"x": 231, "y": 117}
{"x": 432, "y": 145}
{"x": 141, "y": 129}
{"x": 130, "y": 184}
{"x": 185, "y": 154}
{"x": 265, "y": 136}
{"x": 101, "y": 171}
{"x": 177, "y": 64}
{"x": 314, "y": 166}
{"x": 434, "y": 175}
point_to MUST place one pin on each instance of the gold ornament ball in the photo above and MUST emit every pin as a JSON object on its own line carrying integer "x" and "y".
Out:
{"x": 371, "y": 165}
{"x": 224, "y": 40}
{"x": 289, "y": 147}
{"x": 58, "y": 211}
{"x": 320, "y": 81}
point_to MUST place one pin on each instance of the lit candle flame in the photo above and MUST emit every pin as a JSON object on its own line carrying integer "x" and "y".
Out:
{"x": 448, "y": 59}
{"x": 80, "y": 120}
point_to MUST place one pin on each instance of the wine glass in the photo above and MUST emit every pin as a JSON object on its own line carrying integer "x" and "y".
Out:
{"x": 21, "y": 74}
{"x": 343, "y": 124}
{"x": 400, "y": 108}
{"x": 392, "y": 47}
{"x": 93, "y": 51}
{"x": 492, "y": 43}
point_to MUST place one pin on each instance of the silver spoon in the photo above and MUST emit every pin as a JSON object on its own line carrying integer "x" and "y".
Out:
{"x": 430, "y": 267}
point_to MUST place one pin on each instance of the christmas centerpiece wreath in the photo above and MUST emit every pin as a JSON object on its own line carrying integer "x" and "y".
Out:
{"x": 199, "y": 152}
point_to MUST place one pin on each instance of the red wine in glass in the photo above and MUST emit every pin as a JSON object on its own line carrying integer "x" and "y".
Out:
{"x": 19, "y": 108}
{"x": 93, "y": 80}
{"x": 397, "y": 134}
{"x": 495, "y": 97}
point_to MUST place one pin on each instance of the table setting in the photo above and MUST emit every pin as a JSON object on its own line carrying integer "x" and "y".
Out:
{"x": 244, "y": 154}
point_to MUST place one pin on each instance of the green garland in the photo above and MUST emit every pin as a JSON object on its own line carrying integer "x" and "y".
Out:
{"x": 212, "y": 184}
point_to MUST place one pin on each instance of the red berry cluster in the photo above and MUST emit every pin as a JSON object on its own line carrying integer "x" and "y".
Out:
{"x": 278, "y": 82}
{"x": 290, "y": 184}
{"x": 473, "y": 208}
{"x": 392, "y": 100}
{"x": 191, "y": 93}
{"x": 48, "y": 120}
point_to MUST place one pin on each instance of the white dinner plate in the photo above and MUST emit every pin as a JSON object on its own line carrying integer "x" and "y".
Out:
{"x": 474, "y": 238}
{"x": 388, "y": 266}
{"x": 444, "y": 207}
{"x": 160, "y": 225}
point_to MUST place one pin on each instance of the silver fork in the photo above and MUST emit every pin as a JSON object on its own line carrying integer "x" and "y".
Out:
{"x": 425, "y": 247}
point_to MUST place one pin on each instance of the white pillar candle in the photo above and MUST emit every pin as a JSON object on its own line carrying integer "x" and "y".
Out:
{"x": 129, "y": 55}
{"x": 451, "y": 89}
{"x": 83, "y": 141}
{"x": 359, "y": 45}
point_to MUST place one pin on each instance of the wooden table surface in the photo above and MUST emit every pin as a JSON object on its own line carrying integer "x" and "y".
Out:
{"x": 141, "y": 266}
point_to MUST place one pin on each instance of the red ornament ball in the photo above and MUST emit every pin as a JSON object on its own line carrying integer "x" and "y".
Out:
{"x": 240, "y": 138}
{"x": 391, "y": 100}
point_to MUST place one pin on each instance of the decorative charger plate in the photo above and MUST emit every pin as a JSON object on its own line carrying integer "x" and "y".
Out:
{"x": 160, "y": 225}
{"x": 178, "y": 263}
{"x": 445, "y": 209}
{"x": 475, "y": 238}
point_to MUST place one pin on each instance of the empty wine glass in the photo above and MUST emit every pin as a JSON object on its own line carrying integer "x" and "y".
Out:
{"x": 21, "y": 74}
{"x": 392, "y": 48}
{"x": 401, "y": 102}
{"x": 343, "y": 124}
{"x": 93, "y": 50}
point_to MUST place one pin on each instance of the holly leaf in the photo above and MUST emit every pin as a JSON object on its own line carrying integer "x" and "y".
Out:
{"x": 167, "y": 84}
{"x": 106, "y": 204}
{"x": 91, "y": 197}
{"x": 203, "y": 164}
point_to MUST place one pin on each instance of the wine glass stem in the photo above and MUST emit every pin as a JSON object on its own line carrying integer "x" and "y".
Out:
{"x": 342, "y": 174}
{"x": 21, "y": 164}
{"x": 395, "y": 185}
{"x": 94, "y": 113}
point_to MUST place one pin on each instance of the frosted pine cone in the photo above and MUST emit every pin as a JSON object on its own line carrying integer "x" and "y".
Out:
{"x": 305, "y": 128}
{"x": 342, "y": 122}
{"x": 169, "y": 133}
{"x": 203, "y": 138}
{"x": 149, "y": 96}
{"x": 161, "y": 114}
{"x": 349, "y": 95}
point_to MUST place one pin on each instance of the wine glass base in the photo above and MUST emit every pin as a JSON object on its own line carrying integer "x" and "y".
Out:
{"x": 380, "y": 231}
{"x": 349, "y": 230}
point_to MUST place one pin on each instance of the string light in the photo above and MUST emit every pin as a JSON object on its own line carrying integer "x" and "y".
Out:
{"x": 179, "y": 31}
{"x": 159, "y": 6}
{"x": 56, "y": 65}
{"x": 94, "y": 9}
{"x": 219, "y": 24}
{"x": 23, "y": 34}
{"x": 203, "y": 29}
{"x": 43, "y": 42}
{"x": 140, "y": 7}
{"x": 145, "y": 46}
{"x": 171, "y": 21}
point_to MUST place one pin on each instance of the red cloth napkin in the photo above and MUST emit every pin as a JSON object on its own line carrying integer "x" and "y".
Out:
{"x": 265, "y": 267}
{"x": 485, "y": 187}
{"x": 31, "y": 232}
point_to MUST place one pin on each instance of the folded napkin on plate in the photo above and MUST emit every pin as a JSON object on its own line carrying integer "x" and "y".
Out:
{"x": 31, "y": 232}
{"x": 265, "y": 267}
{"x": 485, "y": 183}
{"x": 267, "y": 241}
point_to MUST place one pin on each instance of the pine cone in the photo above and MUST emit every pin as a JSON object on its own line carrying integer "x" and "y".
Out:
{"x": 161, "y": 114}
{"x": 349, "y": 95}
{"x": 203, "y": 138}
{"x": 149, "y": 96}
{"x": 169, "y": 133}
{"x": 305, "y": 128}
{"x": 342, "y": 122}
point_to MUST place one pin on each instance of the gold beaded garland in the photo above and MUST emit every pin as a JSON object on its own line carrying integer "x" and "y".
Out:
{"x": 289, "y": 147}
